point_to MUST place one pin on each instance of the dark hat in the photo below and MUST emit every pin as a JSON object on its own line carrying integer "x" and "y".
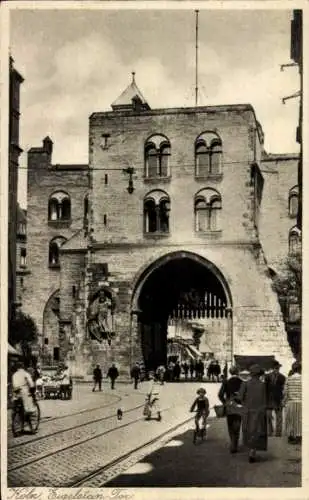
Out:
{"x": 201, "y": 391}
{"x": 277, "y": 364}
{"x": 234, "y": 370}
{"x": 256, "y": 370}
{"x": 296, "y": 366}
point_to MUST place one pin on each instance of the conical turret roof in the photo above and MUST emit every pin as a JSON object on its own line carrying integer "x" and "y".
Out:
{"x": 130, "y": 98}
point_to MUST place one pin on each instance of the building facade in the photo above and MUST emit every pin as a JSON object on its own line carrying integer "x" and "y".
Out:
{"x": 176, "y": 224}
{"x": 21, "y": 256}
{"x": 15, "y": 80}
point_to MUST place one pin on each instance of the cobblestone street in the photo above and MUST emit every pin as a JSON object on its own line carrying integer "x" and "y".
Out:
{"x": 81, "y": 442}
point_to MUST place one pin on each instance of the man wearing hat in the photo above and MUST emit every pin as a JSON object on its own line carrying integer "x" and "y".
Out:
{"x": 275, "y": 385}
{"x": 228, "y": 395}
{"x": 253, "y": 396}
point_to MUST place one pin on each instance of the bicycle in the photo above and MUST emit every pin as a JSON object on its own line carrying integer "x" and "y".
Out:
{"x": 20, "y": 417}
{"x": 199, "y": 432}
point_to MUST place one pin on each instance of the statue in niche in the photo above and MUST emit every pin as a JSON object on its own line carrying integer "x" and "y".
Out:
{"x": 100, "y": 317}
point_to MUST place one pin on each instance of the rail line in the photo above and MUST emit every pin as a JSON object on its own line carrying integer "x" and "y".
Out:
{"x": 100, "y": 476}
{"x": 52, "y": 419}
{"x": 39, "y": 438}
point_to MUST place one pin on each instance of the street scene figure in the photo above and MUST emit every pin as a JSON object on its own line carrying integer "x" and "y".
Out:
{"x": 229, "y": 396}
{"x": 160, "y": 373}
{"x": 136, "y": 374}
{"x": 201, "y": 404}
{"x": 292, "y": 401}
{"x": 97, "y": 378}
{"x": 253, "y": 397}
{"x": 65, "y": 378}
{"x": 152, "y": 403}
{"x": 23, "y": 385}
{"x": 113, "y": 374}
{"x": 275, "y": 385}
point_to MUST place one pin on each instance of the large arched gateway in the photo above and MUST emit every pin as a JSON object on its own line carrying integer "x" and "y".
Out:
{"x": 176, "y": 292}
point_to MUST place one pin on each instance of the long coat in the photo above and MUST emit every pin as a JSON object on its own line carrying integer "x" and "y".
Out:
{"x": 253, "y": 396}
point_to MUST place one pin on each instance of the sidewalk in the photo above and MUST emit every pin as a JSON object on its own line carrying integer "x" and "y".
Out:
{"x": 209, "y": 464}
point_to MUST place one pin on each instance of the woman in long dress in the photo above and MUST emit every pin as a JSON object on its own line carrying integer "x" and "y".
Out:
{"x": 252, "y": 395}
{"x": 292, "y": 400}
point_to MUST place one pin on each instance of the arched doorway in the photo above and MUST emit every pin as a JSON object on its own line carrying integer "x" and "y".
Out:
{"x": 174, "y": 293}
{"x": 50, "y": 341}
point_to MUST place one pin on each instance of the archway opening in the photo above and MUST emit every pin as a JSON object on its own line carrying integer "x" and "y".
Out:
{"x": 180, "y": 295}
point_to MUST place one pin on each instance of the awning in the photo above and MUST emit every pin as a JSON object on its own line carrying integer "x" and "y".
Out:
{"x": 194, "y": 351}
{"x": 244, "y": 362}
{"x": 189, "y": 353}
{"x": 12, "y": 351}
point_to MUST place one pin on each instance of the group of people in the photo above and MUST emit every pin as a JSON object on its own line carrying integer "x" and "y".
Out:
{"x": 251, "y": 404}
{"x": 194, "y": 370}
{"x": 112, "y": 374}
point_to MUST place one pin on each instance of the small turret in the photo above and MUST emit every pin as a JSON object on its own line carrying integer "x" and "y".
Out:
{"x": 48, "y": 145}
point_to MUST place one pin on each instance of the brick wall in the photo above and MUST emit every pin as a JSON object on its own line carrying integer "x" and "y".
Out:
{"x": 128, "y": 133}
{"x": 43, "y": 180}
{"x": 280, "y": 175}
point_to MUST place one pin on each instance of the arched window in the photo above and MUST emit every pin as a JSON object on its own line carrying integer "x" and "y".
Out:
{"x": 208, "y": 154}
{"x": 156, "y": 212}
{"x": 59, "y": 207}
{"x": 207, "y": 207}
{"x": 294, "y": 240}
{"x": 53, "y": 251}
{"x": 293, "y": 201}
{"x": 157, "y": 156}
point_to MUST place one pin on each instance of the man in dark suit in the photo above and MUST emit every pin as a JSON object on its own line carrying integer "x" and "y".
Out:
{"x": 275, "y": 385}
{"x": 228, "y": 393}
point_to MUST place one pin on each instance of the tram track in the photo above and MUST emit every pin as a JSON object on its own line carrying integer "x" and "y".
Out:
{"x": 120, "y": 464}
{"x": 82, "y": 460}
{"x": 29, "y": 444}
{"x": 52, "y": 419}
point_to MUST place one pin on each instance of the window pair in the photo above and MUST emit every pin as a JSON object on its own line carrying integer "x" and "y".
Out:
{"x": 59, "y": 207}
{"x": 157, "y": 206}
{"x": 207, "y": 154}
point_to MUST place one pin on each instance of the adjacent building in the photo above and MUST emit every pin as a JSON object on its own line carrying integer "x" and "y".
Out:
{"x": 178, "y": 222}
{"x": 15, "y": 81}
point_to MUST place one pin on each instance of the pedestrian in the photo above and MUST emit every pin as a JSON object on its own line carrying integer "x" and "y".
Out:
{"x": 217, "y": 370}
{"x": 229, "y": 397}
{"x": 97, "y": 378}
{"x": 170, "y": 371}
{"x": 136, "y": 374}
{"x": 253, "y": 396}
{"x": 192, "y": 368}
{"x": 38, "y": 380}
{"x": 176, "y": 371}
{"x": 24, "y": 387}
{"x": 225, "y": 371}
{"x": 275, "y": 384}
{"x": 185, "y": 368}
{"x": 292, "y": 400}
{"x": 160, "y": 373}
{"x": 152, "y": 404}
{"x": 113, "y": 375}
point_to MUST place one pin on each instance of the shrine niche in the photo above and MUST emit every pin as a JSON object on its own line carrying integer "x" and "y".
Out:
{"x": 100, "y": 314}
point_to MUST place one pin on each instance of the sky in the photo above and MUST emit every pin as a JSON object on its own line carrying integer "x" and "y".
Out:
{"x": 77, "y": 62}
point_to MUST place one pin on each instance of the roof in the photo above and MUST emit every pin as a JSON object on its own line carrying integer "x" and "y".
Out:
{"x": 77, "y": 242}
{"x": 131, "y": 93}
